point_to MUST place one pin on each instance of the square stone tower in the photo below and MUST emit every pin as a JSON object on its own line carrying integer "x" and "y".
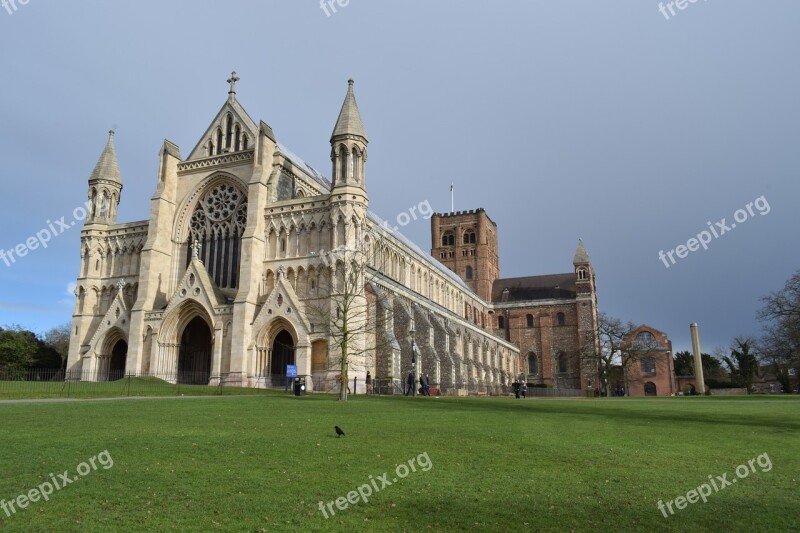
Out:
{"x": 466, "y": 243}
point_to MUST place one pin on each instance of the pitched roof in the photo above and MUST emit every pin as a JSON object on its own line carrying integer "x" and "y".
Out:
{"x": 349, "y": 121}
{"x": 107, "y": 167}
{"x": 549, "y": 287}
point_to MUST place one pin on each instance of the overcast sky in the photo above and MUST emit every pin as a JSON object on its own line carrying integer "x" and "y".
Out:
{"x": 609, "y": 121}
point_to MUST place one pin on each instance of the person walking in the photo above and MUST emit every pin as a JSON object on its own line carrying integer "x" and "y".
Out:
{"x": 410, "y": 383}
{"x": 426, "y": 386}
{"x": 369, "y": 383}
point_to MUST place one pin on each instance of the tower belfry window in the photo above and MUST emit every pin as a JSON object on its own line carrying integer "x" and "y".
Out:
{"x": 342, "y": 163}
{"x": 351, "y": 167}
{"x": 104, "y": 205}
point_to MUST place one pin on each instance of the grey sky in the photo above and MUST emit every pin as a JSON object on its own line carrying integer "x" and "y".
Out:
{"x": 600, "y": 120}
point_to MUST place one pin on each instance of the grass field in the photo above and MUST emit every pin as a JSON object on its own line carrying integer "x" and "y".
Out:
{"x": 498, "y": 464}
{"x": 133, "y": 386}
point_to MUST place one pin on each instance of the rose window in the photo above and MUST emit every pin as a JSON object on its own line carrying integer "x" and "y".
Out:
{"x": 218, "y": 223}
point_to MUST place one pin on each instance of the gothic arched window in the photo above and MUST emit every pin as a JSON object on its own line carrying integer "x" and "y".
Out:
{"x": 563, "y": 363}
{"x": 561, "y": 319}
{"x": 532, "y": 366}
{"x": 218, "y": 223}
{"x": 469, "y": 272}
{"x": 229, "y": 132}
{"x": 529, "y": 319}
{"x": 644, "y": 341}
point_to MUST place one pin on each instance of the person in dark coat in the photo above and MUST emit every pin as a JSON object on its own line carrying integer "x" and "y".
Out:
{"x": 369, "y": 383}
{"x": 426, "y": 386}
{"x": 516, "y": 386}
{"x": 410, "y": 383}
{"x": 524, "y": 388}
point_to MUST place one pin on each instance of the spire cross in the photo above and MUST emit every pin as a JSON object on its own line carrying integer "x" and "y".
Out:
{"x": 232, "y": 80}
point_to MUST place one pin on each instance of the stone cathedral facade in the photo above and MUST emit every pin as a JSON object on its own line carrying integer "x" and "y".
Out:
{"x": 241, "y": 268}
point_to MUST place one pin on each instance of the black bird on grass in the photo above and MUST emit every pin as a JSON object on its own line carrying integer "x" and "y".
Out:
{"x": 339, "y": 431}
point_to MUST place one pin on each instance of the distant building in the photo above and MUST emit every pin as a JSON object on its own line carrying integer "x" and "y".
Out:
{"x": 650, "y": 370}
{"x": 548, "y": 317}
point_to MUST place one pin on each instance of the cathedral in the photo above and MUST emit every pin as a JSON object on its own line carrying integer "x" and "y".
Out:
{"x": 253, "y": 264}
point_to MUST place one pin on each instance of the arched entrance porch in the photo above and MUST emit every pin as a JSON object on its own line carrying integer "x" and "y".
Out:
{"x": 194, "y": 358}
{"x": 119, "y": 357}
{"x": 282, "y": 354}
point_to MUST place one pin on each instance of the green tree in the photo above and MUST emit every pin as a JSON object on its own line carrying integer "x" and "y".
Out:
{"x": 57, "y": 340}
{"x": 17, "y": 349}
{"x": 742, "y": 363}
{"x": 684, "y": 364}
{"x": 712, "y": 367}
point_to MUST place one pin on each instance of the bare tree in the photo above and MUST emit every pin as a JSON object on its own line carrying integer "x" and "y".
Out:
{"x": 603, "y": 351}
{"x": 780, "y": 344}
{"x": 613, "y": 347}
{"x": 344, "y": 310}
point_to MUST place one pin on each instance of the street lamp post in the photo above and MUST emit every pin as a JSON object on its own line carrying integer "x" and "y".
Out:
{"x": 413, "y": 358}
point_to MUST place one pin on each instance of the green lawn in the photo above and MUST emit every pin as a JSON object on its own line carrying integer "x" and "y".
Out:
{"x": 134, "y": 386}
{"x": 498, "y": 464}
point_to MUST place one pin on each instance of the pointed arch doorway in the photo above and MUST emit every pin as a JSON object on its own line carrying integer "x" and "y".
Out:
{"x": 119, "y": 356}
{"x": 194, "y": 360}
{"x": 283, "y": 353}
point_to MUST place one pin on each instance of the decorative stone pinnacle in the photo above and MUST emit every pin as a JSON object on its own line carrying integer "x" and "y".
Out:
{"x": 196, "y": 250}
{"x": 232, "y": 80}
{"x": 121, "y": 284}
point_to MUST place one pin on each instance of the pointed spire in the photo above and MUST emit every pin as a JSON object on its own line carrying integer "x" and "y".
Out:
{"x": 581, "y": 255}
{"x": 107, "y": 167}
{"x": 349, "y": 121}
